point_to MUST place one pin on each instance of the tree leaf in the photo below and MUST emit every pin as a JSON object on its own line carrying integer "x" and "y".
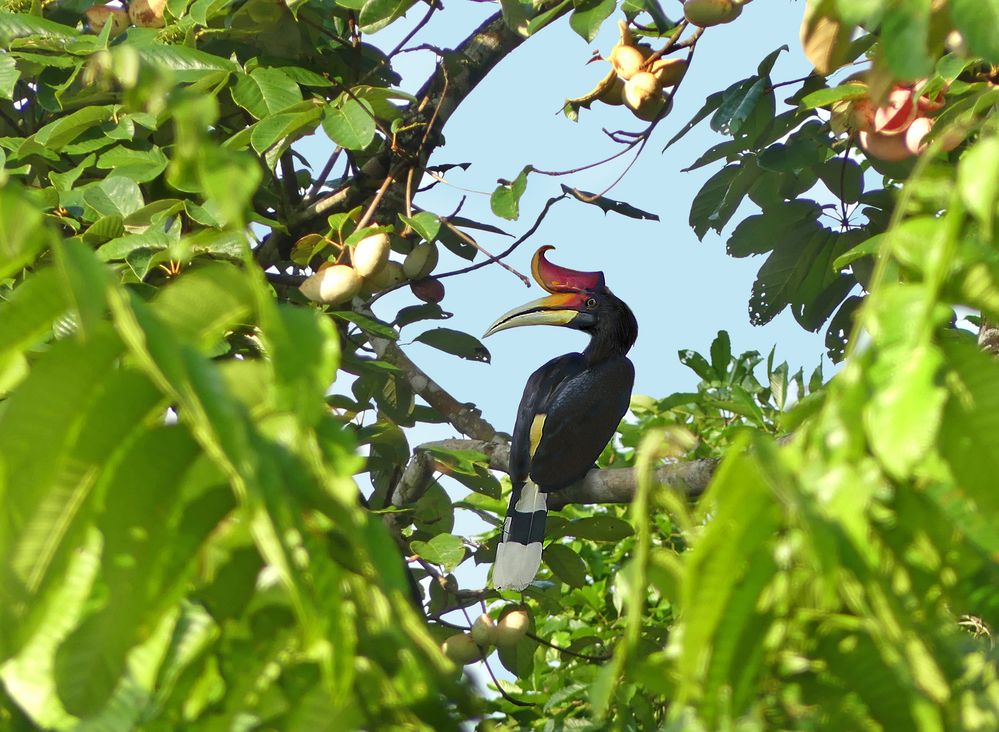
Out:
{"x": 738, "y": 104}
{"x": 350, "y": 123}
{"x": 843, "y": 178}
{"x": 565, "y": 564}
{"x": 456, "y": 343}
{"x": 446, "y": 550}
{"x": 8, "y": 76}
{"x": 977, "y": 20}
{"x": 505, "y": 201}
{"x": 903, "y": 417}
{"x": 609, "y": 204}
{"x": 265, "y": 91}
{"x": 596, "y": 528}
{"x": 415, "y": 313}
{"x": 978, "y": 181}
{"x": 588, "y": 15}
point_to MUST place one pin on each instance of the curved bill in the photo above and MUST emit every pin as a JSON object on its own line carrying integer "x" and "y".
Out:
{"x": 558, "y": 309}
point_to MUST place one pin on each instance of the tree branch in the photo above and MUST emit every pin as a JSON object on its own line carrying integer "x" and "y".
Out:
{"x": 988, "y": 337}
{"x": 607, "y": 485}
{"x": 466, "y": 419}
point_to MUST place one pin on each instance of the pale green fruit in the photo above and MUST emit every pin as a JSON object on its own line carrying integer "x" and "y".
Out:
{"x": 333, "y": 284}
{"x": 461, "y": 649}
{"x": 370, "y": 254}
{"x": 421, "y": 261}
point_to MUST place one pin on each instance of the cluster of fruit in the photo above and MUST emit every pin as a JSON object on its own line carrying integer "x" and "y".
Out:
{"x": 898, "y": 128}
{"x": 637, "y": 78}
{"x": 370, "y": 271}
{"x": 142, "y": 13}
{"x": 465, "y": 648}
{"x": 706, "y": 13}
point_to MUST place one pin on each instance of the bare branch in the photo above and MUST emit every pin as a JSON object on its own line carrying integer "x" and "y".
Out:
{"x": 988, "y": 337}
{"x": 465, "y": 418}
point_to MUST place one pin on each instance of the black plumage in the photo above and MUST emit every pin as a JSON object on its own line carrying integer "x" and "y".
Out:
{"x": 569, "y": 411}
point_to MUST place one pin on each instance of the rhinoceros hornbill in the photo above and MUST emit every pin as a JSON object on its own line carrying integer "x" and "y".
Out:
{"x": 570, "y": 409}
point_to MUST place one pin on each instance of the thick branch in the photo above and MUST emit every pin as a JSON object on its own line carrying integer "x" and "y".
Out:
{"x": 466, "y": 419}
{"x": 988, "y": 337}
{"x": 608, "y": 485}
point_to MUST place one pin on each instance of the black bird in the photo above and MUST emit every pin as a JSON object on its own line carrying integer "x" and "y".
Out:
{"x": 570, "y": 409}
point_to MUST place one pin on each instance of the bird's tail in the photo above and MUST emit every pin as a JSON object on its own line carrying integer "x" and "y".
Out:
{"x": 518, "y": 555}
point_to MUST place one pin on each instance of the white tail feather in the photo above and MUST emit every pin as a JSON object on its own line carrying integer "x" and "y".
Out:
{"x": 517, "y": 564}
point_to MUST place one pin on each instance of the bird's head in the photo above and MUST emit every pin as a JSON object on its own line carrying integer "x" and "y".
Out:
{"x": 577, "y": 300}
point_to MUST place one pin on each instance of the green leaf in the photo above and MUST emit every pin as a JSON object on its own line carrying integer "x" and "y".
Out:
{"x": 424, "y": 223}
{"x": 185, "y": 63}
{"x": 350, "y": 123}
{"x": 977, "y": 21}
{"x": 8, "y": 76}
{"x": 204, "y": 302}
{"x": 843, "y": 178}
{"x": 978, "y": 181}
{"x": 588, "y": 15}
{"x": 446, "y": 550}
{"x": 115, "y": 196}
{"x": 61, "y": 132}
{"x": 27, "y": 315}
{"x": 696, "y": 363}
{"x": 369, "y": 325}
{"x": 903, "y": 417}
{"x": 23, "y": 232}
{"x": 609, "y": 204}
{"x": 433, "y": 513}
{"x": 456, "y": 343}
{"x": 827, "y": 97}
{"x": 415, "y": 313}
{"x": 229, "y": 179}
{"x": 969, "y": 432}
{"x": 376, "y": 14}
{"x": 265, "y": 91}
{"x": 760, "y": 233}
{"x": 304, "y": 351}
{"x": 738, "y": 104}
{"x": 596, "y": 528}
{"x": 141, "y": 516}
{"x": 283, "y": 128}
{"x": 905, "y": 30}
{"x": 720, "y": 196}
{"x": 721, "y": 353}
{"x": 505, "y": 201}
{"x": 565, "y": 564}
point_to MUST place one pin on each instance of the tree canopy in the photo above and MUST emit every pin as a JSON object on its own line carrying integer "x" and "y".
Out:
{"x": 212, "y": 513}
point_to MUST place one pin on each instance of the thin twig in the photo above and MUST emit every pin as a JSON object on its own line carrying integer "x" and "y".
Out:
{"x": 566, "y": 651}
{"x": 509, "y": 250}
{"x": 325, "y": 174}
{"x": 469, "y": 240}
{"x": 434, "y": 6}
{"x": 369, "y": 214}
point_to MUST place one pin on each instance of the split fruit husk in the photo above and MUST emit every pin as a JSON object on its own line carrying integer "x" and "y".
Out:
{"x": 100, "y": 15}
{"x": 706, "y": 13}
{"x": 644, "y": 96}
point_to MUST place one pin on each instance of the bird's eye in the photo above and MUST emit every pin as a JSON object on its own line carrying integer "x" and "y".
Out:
{"x": 591, "y": 303}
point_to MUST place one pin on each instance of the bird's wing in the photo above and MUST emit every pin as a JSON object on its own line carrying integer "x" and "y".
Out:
{"x": 541, "y": 387}
{"x": 581, "y": 418}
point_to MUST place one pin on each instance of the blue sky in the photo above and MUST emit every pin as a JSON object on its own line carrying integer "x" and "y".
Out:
{"x": 682, "y": 290}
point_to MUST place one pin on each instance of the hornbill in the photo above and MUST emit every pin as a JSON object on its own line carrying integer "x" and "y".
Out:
{"x": 570, "y": 409}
